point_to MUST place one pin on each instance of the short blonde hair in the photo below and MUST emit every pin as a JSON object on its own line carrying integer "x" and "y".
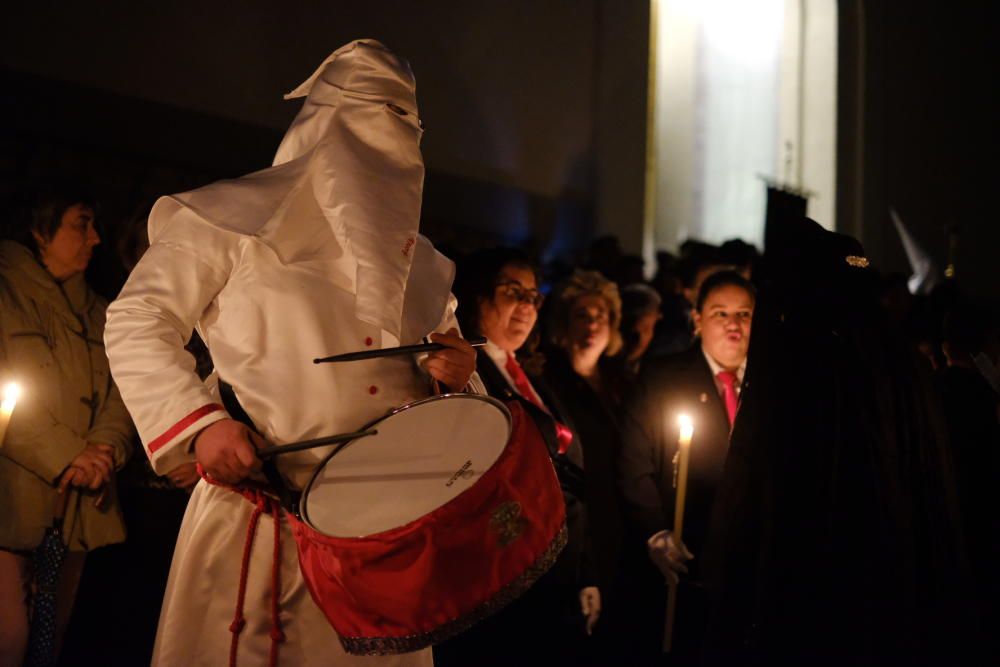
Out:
{"x": 587, "y": 283}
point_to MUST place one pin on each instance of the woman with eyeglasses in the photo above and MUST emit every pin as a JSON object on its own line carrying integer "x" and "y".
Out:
{"x": 498, "y": 297}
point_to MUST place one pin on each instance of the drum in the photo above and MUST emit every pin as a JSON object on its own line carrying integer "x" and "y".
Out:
{"x": 450, "y": 511}
{"x": 423, "y": 455}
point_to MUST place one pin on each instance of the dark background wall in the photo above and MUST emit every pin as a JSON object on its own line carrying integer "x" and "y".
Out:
{"x": 147, "y": 99}
{"x": 918, "y": 115}
{"x": 535, "y": 110}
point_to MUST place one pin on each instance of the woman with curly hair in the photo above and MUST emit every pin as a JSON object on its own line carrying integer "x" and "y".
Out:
{"x": 582, "y": 371}
{"x": 584, "y": 326}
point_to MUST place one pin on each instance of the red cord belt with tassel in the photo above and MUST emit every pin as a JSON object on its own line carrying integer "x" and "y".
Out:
{"x": 263, "y": 504}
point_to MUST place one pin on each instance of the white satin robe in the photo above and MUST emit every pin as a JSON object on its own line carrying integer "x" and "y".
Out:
{"x": 266, "y": 304}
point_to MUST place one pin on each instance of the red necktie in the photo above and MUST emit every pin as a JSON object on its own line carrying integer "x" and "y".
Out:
{"x": 563, "y": 434}
{"x": 728, "y": 381}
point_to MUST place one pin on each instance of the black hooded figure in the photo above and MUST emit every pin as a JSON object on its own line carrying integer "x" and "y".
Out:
{"x": 835, "y": 538}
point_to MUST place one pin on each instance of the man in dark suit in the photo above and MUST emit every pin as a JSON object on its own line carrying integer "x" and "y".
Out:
{"x": 704, "y": 383}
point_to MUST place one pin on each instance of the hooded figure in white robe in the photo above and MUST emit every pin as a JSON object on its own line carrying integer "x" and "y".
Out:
{"x": 317, "y": 255}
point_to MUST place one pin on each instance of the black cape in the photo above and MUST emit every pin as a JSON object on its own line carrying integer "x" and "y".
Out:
{"x": 835, "y": 537}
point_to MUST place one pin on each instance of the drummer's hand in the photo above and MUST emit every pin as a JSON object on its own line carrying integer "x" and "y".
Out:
{"x": 454, "y": 365}
{"x": 669, "y": 555}
{"x": 184, "y": 476}
{"x": 590, "y": 606}
{"x": 226, "y": 452}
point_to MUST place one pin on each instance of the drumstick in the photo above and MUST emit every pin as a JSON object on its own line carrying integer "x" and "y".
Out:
{"x": 435, "y": 384}
{"x": 274, "y": 450}
{"x": 393, "y": 351}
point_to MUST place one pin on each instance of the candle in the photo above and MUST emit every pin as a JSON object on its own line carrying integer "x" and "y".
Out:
{"x": 683, "y": 458}
{"x": 11, "y": 392}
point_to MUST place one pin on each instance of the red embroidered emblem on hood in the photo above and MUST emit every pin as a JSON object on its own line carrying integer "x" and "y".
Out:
{"x": 408, "y": 246}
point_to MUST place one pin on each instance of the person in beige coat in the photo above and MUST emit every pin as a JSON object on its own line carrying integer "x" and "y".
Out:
{"x": 69, "y": 431}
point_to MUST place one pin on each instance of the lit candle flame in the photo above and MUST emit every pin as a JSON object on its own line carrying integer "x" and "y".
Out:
{"x": 11, "y": 392}
{"x": 681, "y": 461}
{"x": 687, "y": 427}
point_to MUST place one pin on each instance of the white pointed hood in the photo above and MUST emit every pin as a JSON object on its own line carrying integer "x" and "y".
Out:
{"x": 925, "y": 272}
{"x": 354, "y": 147}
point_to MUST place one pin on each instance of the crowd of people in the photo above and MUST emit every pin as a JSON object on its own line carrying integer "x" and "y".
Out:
{"x": 606, "y": 363}
{"x": 601, "y": 358}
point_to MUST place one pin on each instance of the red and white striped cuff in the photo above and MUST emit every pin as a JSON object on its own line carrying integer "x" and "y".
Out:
{"x": 190, "y": 424}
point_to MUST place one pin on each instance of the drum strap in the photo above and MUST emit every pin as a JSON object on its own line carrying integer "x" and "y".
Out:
{"x": 570, "y": 474}
{"x": 289, "y": 498}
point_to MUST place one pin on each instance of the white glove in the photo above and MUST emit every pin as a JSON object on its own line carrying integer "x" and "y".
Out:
{"x": 669, "y": 555}
{"x": 590, "y": 606}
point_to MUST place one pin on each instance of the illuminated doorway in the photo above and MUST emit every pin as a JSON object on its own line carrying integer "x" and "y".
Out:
{"x": 742, "y": 91}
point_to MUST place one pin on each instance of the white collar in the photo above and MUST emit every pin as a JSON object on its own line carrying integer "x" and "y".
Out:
{"x": 717, "y": 368}
{"x": 499, "y": 358}
{"x": 498, "y": 355}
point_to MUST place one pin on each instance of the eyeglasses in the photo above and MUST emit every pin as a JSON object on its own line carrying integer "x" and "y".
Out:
{"x": 514, "y": 290}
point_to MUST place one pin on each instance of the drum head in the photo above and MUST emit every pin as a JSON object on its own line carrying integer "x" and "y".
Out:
{"x": 424, "y": 454}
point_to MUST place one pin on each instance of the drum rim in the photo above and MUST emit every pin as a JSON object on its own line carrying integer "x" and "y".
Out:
{"x": 303, "y": 502}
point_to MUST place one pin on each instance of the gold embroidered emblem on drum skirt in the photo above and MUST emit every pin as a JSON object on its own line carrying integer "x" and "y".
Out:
{"x": 507, "y": 523}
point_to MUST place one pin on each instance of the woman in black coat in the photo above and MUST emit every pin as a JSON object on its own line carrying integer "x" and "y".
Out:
{"x": 586, "y": 377}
